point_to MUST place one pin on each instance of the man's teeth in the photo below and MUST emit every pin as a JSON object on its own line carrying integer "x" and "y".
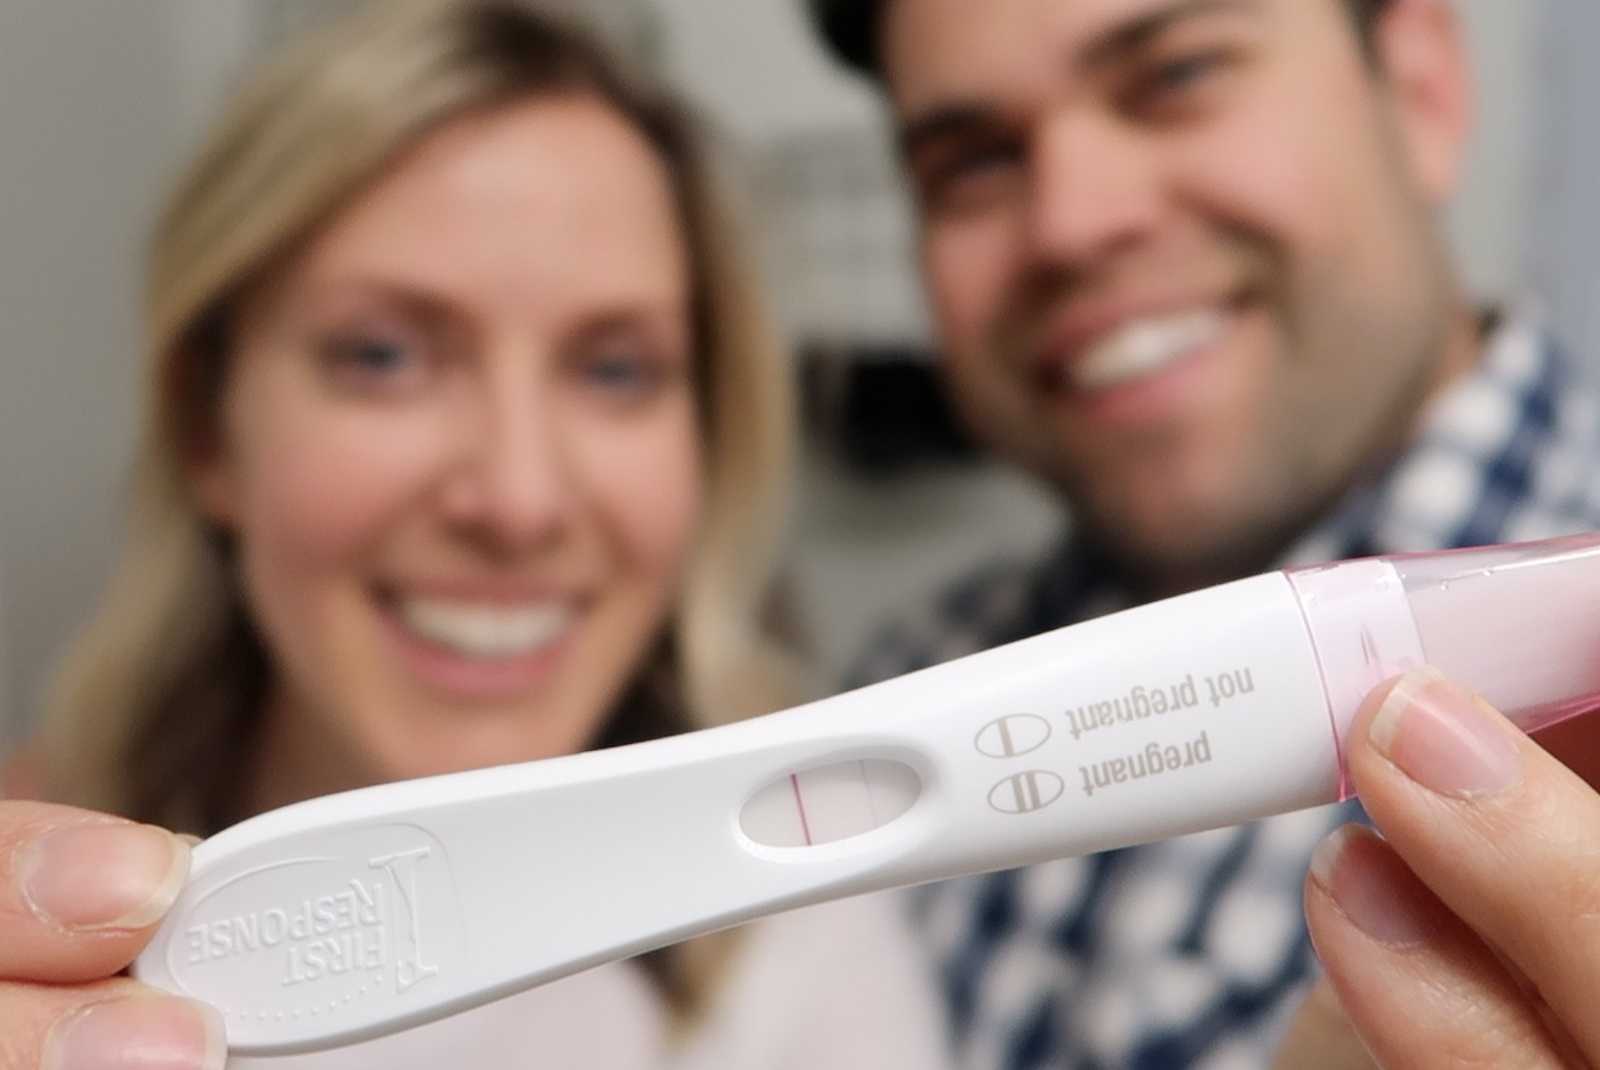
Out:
{"x": 486, "y": 631}
{"x": 1144, "y": 347}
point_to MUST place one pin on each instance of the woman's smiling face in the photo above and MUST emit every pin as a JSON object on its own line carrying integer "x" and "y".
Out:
{"x": 460, "y": 447}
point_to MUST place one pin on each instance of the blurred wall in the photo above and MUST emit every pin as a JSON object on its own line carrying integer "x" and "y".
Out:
{"x": 1565, "y": 264}
{"x": 100, "y": 99}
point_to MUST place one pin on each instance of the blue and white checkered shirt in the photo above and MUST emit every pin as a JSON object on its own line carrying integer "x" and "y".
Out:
{"x": 1193, "y": 952}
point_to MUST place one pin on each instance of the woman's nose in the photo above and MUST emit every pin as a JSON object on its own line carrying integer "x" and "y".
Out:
{"x": 511, "y": 481}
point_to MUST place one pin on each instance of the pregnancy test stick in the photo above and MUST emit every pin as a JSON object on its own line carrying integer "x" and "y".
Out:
{"x": 357, "y": 915}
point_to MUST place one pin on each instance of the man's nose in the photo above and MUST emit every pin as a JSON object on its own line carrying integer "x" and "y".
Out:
{"x": 1096, "y": 190}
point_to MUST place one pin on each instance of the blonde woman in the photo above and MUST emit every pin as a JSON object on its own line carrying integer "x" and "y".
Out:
{"x": 463, "y": 445}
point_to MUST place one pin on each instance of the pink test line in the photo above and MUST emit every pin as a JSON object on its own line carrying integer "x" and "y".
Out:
{"x": 800, "y": 804}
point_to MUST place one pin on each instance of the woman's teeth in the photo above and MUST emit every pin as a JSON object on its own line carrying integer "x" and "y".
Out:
{"x": 1144, "y": 347}
{"x": 486, "y": 631}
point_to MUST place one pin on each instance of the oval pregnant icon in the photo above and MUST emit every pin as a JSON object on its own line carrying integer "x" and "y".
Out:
{"x": 1026, "y": 792}
{"x": 830, "y": 803}
{"x": 1013, "y": 736}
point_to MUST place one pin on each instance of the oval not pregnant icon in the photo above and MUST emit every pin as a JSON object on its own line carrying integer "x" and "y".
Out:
{"x": 1013, "y": 736}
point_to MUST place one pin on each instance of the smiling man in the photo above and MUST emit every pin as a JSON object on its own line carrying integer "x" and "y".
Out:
{"x": 1188, "y": 268}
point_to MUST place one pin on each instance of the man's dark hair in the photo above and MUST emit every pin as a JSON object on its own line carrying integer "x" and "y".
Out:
{"x": 850, "y": 28}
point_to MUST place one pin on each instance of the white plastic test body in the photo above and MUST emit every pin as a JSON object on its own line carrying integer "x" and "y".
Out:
{"x": 360, "y": 914}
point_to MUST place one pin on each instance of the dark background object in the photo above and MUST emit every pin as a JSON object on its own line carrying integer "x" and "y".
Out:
{"x": 882, "y": 410}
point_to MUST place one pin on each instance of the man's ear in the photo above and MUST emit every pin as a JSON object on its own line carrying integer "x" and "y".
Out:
{"x": 1422, "y": 57}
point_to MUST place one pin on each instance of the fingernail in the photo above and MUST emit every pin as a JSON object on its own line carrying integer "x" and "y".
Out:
{"x": 1359, "y": 873}
{"x": 112, "y": 876}
{"x": 138, "y": 1033}
{"x": 1444, "y": 738}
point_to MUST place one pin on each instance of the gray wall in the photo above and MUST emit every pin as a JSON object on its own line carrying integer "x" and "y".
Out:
{"x": 97, "y": 100}
{"x": 1565, "y": 265}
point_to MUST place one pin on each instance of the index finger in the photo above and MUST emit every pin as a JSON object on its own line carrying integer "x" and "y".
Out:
{"x": 1506, "y": 836}
{"x": 80, "y": 892}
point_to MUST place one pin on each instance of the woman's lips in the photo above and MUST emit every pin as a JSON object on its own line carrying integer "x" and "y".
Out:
{"x": 486, "y": 631}
{"x": 477, "y": 650}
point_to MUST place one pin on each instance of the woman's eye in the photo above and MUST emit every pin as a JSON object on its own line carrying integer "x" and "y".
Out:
{"x": 630, "y": 368}
{"x": 627, "y": 375}
{"x": 371, "y": 360}
{"x": 368, "y": 354}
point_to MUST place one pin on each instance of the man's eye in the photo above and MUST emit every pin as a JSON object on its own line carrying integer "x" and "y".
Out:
{"x": 1184, "y": 72}
{"x": 1172, "y": 81}
{"x": 970, "y": 176}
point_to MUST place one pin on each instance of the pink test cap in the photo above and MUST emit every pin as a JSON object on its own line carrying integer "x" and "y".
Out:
{"x": 1519, "y": 624}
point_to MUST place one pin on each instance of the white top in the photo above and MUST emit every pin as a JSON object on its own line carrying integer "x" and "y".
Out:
{"x": 841, "y": 986}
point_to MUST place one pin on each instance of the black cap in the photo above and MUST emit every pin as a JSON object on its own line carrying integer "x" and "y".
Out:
{"x": 850, "y": 30}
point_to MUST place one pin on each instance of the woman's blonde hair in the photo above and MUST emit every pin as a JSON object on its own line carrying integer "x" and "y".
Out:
{"x": 155, "y": 710}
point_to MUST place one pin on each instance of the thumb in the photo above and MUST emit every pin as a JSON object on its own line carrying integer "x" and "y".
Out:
{"x": 1320, "y": 1037}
